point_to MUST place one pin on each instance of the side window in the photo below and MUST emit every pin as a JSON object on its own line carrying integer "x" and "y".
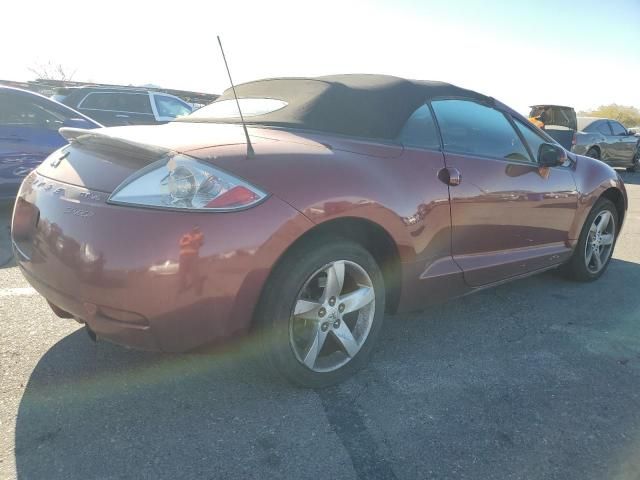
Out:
{"x": 170, "y": 107}
{"x": 420, "y": 130}
{"x": 603, "y": 127}
{"x": 18, "y": 111}
{"x": 617, "y": 128}
{"x": 533, "y": 139}
{"x": 134, "y": 102}
{"x": 471, "y": 128}
{"x": 99, "y": 101}
{"x": 592, "y": 127}
{"x": 117, "y": 102}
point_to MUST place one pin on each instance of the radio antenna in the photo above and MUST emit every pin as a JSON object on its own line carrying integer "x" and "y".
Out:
{"x": 250, "y": 151}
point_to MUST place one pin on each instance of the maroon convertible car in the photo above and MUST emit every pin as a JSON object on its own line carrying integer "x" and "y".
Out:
{"x": 358, "y": 195}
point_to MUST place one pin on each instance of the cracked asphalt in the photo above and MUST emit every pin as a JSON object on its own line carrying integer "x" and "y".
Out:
{"x": 537, "y": 379}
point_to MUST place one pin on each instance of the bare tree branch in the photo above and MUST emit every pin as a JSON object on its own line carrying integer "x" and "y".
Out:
{"x": 51, "y": 71}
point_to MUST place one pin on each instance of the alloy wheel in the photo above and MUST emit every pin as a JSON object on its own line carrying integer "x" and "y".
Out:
{"x": 332, "y": 316}
{"x": 599, "y": 244}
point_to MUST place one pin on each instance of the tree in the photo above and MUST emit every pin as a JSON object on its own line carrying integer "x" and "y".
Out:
{"x": 628, "y": 116}
{"x": 51, "y": 71}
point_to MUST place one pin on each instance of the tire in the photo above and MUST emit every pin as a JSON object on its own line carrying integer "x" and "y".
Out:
{"x": 296, "y": 306}
{"x": 579, "y": 268}
{"x": 593, "y": 152}
{"x": 635, "y": 165}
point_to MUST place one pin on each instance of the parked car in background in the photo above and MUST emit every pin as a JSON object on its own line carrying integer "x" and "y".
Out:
{"x": 607, "y": 140}
{"x": 123, "y": 106}
{"x": 558, "y": 121}
{"x": 29, "y": 126}
{"x": 362, "y": 194}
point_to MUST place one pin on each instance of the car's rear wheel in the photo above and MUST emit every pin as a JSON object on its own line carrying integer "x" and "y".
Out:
{"x": 321, "y": 312}
{"x": 635, "y": 164}
{"x": 593, "y": 153}
{"x": 595, "y": 246}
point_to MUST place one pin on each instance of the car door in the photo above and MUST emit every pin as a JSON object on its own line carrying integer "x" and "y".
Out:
{"x": 28, "y": 134}
{"x": 433, "y": 274}
{"x": 623, "y": 145}
{"x": 137, "y": 108}
{"x": 509, "y": 216}
{"x": 607, "y": 142}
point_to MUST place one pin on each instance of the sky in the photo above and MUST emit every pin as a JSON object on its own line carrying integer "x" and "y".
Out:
{"x": 578, "y": 53}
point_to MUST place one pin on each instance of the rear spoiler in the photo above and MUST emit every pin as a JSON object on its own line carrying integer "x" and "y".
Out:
{"x": 84, "y": 135}
{"x": 70, "y": 134}
{"x": 120, "y": 150}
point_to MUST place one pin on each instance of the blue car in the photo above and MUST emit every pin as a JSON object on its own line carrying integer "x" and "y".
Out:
{"x": 29, "y": 126}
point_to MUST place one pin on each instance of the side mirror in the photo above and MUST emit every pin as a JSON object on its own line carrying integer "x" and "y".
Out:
{"x": 550, "y": 155}
{"x": 632, "y": 131}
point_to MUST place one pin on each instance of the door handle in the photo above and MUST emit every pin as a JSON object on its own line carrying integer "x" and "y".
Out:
{"x": 450, "y": 176}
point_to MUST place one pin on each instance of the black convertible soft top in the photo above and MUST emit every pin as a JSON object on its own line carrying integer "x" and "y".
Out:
{"x": 373, "y": 106}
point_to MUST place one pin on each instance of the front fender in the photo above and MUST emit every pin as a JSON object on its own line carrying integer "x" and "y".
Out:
{"x": 592, "y": 178}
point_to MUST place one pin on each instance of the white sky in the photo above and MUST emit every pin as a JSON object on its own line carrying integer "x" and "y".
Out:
{"x": 519, "y": 54}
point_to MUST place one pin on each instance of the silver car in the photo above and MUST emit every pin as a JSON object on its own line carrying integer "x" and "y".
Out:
{"x": 607, "y": 140}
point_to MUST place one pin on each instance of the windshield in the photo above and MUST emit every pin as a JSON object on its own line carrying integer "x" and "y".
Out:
{"x": 251, "y": 107}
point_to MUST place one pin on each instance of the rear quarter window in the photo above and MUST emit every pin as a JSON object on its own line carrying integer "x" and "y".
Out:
{"x": 603, "y": 127}
{"x": 420, "y": 130}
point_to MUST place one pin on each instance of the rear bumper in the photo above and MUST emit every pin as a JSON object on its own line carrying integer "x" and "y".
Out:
{"x": 135, "y": 335}
{"x": 123, "y": 271}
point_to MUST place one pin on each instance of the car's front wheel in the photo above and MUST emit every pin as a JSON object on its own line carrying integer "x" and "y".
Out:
{"x": 321, "y": 312}
{"x": 595, "y": 245}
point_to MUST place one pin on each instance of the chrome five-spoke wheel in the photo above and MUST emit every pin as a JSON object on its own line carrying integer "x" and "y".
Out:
{"x": 322, "y": 311}
{"x": 599, "y": 244}
{"x": 332, "y": 316}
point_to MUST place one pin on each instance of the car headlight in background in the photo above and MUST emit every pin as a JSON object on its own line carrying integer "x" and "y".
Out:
{"x": 182, "y": 182}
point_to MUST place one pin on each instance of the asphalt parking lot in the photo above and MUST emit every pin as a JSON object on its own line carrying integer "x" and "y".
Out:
{"x": 536, "y": 379}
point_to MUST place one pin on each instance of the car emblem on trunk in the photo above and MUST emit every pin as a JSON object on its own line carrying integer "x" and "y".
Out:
{"x": 56, "y": 161}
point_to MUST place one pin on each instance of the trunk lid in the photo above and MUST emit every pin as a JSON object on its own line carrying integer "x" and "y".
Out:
{"x": 102, "y": 159}
{"x": 558, "y": 121}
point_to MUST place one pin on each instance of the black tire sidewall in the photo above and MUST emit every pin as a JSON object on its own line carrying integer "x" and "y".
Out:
{"x": 281, "y": 292}
{"x": 635, "y": 163}
{"x": 596, "y": 154}
{"x": 577, "y": 266}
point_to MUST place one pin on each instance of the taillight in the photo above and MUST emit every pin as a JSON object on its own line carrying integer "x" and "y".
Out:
{"x": 184, "y": 183}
